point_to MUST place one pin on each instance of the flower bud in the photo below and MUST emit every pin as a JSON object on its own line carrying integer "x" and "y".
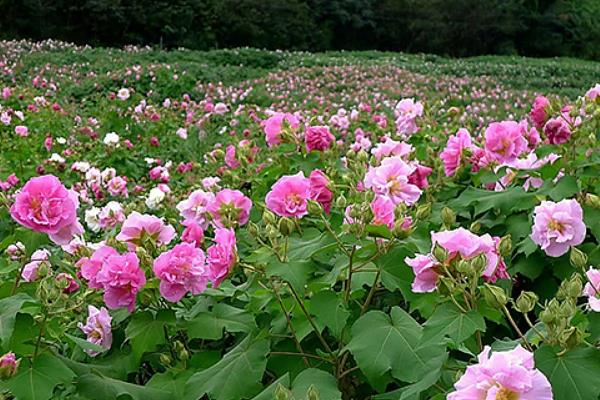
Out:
{"x": 440, "y": 253}
{"x": 464, "y": 267}
{"x": 475, "y": 227}
{"x": 446, "y": 285}
{"x": 165, "y": 360}
{"x": 282, "y": 393}
{"x": 570, "y": 337}
{"x": 505, "y": 246}
{"x": 312, "y": 393}
{"x": 479, "y": 263}
{"x": 340, "y": 202}
{"x": 592, "y": 200}
{"x": 253, "y": 229}
{"x": 269, "y": 217}
{"x": 314, "y": 208}
{"x": 8, "y": 365}
{"x": 495, "y": 296}
{"x": 578, "y": 258}
{"x": 526, "y": 302}
{"x": 547, "y": 317}
{"x": 423, "y": 212}
{"x": 363, "y": 156}
{"x": 286, "y": 226}
{"x": 448, "y": 216}
{"x": 574, "y": 287}
{"x": 567, "y": 309}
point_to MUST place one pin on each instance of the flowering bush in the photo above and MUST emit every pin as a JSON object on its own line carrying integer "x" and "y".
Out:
{"x": 301, "y": 236}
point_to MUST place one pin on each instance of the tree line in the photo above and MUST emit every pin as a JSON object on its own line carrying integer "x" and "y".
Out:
{"x": 454, "y": 28}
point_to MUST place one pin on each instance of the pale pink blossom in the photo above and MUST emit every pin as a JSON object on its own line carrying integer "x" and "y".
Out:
{"x": 391, "y": 179}
{"x": 122, "y": 278}
{"x": 558, "y": 226}
{"x": 140, "y": 227}
{"x": 97, "y": 328}
{"x": 289, "y": 196}
{"x": 180, "y": 270}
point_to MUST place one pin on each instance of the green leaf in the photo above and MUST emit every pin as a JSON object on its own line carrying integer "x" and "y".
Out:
{"x": 413, "y": 391}
{"x": 573, "y": 375}
{"x": 323, "y": 382}
{"x": 382, "y": 343}
{"x": 294, "y": 272}
{"x": 171, "y": 381}
{"x": 565, "y": 188}
{"x": 449, "y": 320}
{"x": 98, "y": 387}
{"x": 507, "y": 201}
{"x": 311, "y": 242}
{"x": 85, "y": 345}
{"x": 145, "y": 331}
{"x": 37, "y": 381}
{"x": 330, "y": 310}
{"x": 235, "y": 377}
{"x": 9, "y": 307}
{"x": 210, "y": 324}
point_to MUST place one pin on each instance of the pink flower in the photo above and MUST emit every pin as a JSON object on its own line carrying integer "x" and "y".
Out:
{"x": 426, "y": 276}
{"x": 139, "y": 227}
{"x": 111, "y": 215}
{"x": 97, "y": 328}
{"x": 419, "y": 176}
{"x": 30, "y": 270}
{"x": 274, "y": 125}
{"x": 21, "y": 130}
{"x": 289, "y": 196}
{"x": 121, "y": 278}
{"x": 406, "y": 112}
{"x": 391, "y": 179}
{"x": 222, "y": 255}
{"x": 180, "y": 270}
{"x": 193, "y": 232}
{"x": 90, "y": 266}
{"x": 592, "y": 289}
{"x": 230, "y": 159}
{"x": 452, "y": 154}
{"x": 539, "y": 112}
{"x": 318, "y": 138}
{"x": 391, "y": 147}
{"x": 557, "y": 131}
{"x": 117, "y": 186}
{"x": 45, "y": 205}
{"x": 228, "y": 207}
{"x": 319, "y": 189}
{"x": 558, "y": 226}
{"x": 383, "y": 211}
{"x": 503, "y": 375}
{"x": 504, "y": 141}
{"x": 69, "y": 283}
{"x": 8, "y": 365}
{"x": 593, "y": 93}
{"x": 196, "y": 207}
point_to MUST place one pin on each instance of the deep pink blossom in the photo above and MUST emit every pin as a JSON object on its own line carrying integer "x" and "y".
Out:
{"x": 90, "y": 266}
{"x": 45, "y": 205}
{"x": 453, "y": 153}
{"x": 504, "y": 141}
{"x": 180, "y": 270}
{"x": 193, "y": 232}
{"x": 289, "y": 196}
{"x": 539, "y": 112}
{"x": 221, "y": 256}
{"x": 319, "y": 189}
{"x": 122, "y": 278}
{"x": 383, "y": 211}
{"x": 557, "y": 130}
{"x": 273, "y": 126}
{"x": 227, "y": 204}
{"x": 318, "y": 138}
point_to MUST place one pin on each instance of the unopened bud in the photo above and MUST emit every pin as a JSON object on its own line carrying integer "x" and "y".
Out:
{"x": 282, "y": 393}
{"x": 363, "y": 156}
{"x": 269, "y": 217}
{"x": 464, "y": 267}
{"x": 314, "y": 208}
{"x": 570, "y": 337}
{"x": 578, "y": 258}
{"x": 165, "y": 360}
{"x": 286, "y": 226}
{"x": 592, "y": 200}
{"x": 526, "y": 302}
{"x": 574, "y": 287}
{"x": 446, "y": 285}
{"x": 340, "y": 202}
{"x": 440, "y": 253}
{"x": 8, "y": 366}
{"x": 495, "y": 296}
{"x": 253, "y": 229}
{"x": 475, "y": 227}
{"x": 567, "y": 309}
{"x": 505, "y": 246}
{"x": 448, "y": 216}
{"x": 312, "y": 393}
{"x": 479, "y": 263}
{"x": 547, "y": 317}
{"x": 423, "y": 212}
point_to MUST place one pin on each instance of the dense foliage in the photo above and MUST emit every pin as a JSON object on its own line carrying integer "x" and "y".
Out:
{"x": 457, "y": 28}
{"x": 269, "y": 225}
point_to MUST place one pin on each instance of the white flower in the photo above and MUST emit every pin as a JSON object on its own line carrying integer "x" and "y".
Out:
{"x": 123, "y": 94}
{"x": 80, "y": 166}
{"x": 61, "y": 140}
{"x": 57, "y": 158}
{"x": 111, "y": 139}
{"x": 108, "y": 174}
{"x": 155, "y": 197}
{"x": 91, "y": 219}
{"x": 93, "y": 175}
{"x": 182, "y": 133}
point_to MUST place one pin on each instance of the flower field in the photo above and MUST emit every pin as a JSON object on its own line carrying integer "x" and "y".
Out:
{"x": 244, "y": 224}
